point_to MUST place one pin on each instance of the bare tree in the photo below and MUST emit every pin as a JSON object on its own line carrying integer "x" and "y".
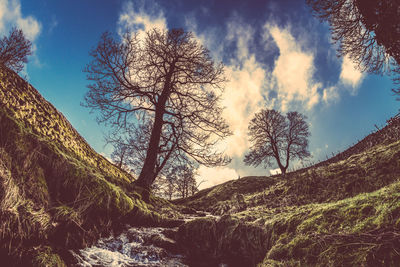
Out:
{"x": 368, "y": 31}
{"x": 182, "y": 177}
{"x": 167, "y": 84}
{"x": 163, "y": 187}
{"x": 119, "y": 154}
{"x": 274, "y": 136}
{"x": 14, "y": 50}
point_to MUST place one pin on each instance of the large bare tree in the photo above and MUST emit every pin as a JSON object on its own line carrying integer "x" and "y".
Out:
{"x": 274, "y": 137}
{"x": 14, "y": 50}
{"x": 368, "y": 31}
{"x": 168, "y": 86}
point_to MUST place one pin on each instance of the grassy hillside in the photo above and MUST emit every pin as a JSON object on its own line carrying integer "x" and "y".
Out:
{"x": 56, "y": 192}
{"x": 341, "y": 213}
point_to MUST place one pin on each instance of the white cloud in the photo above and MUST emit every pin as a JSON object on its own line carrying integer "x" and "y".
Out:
{"x": 330, "y": 95}
{"x": 242, "y": 34}
{"x": 293, "y": 72}
{"x": 350, "y": 75}
{"x": 275, "y": 171}
{"x": 244, "y": 91}
{"x": 10, "y": 15}
{"x": 207, "y": 37}
{"x": 53, "y": 24}
{"x": 213, "y": 176}
{"x": 243, "y": 96}
{"x": 140, "y": 20}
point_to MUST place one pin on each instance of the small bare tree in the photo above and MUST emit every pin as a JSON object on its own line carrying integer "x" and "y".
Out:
{"x": 184, "y": 180}
{"x": 14, "y": 50}
{"x": 119, "y": 155}
{"x": 368, "y": 31}
{"x": 274, "y": 136}
{"x": 169, "y": 86}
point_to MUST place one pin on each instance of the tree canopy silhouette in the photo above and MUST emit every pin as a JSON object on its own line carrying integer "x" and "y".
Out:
{"x": 276, "y": 137}
{"x": 14, "y": 50}
{"x": 368, "y": 31}
{"x": 166, "y": 85}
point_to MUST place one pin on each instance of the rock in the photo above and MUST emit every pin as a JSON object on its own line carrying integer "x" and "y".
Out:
{"x": 187, "y": 210}
{"x": 198, "y": 240}
{"x": 227, "y": 240}
{"x": 201, "y": 214}
{"x": 170, "y": 233}
{"x": 239, "y": 202}
{"x": 164, "y": 242}
{"x": 172, "y": 223}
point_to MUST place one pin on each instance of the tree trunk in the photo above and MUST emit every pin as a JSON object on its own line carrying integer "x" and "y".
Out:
{"x": 148, "y": 173}
{"x": 280, "y": 165}
{"x": 283, "y": 170}
{"x": 122, "y": 159}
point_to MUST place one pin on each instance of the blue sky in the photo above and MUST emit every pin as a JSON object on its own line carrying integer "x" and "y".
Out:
{"x": 276, "y": 55}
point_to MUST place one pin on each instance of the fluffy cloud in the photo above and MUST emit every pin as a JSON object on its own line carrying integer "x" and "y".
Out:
{"x": 208, "y": 177}
{"x": 350, "y": 76}
{"x": 10, "y": 15}
{"x": 140, "y": 20}
{"x": 330, "y": 95}
{"x": 242, "y": 34}
{"x": 243, "y": 96}
{"x": 294, "y": 69}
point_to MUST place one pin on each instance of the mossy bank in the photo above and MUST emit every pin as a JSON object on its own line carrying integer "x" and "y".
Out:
{"x": 56, "y": 192}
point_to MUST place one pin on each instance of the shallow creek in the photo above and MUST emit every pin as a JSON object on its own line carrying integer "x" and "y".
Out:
{"x": 136, "y": 246}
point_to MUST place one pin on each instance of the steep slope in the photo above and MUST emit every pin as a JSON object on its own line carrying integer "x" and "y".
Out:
{"x": 43, "y": 119}
{"x": 341, "y": 213}
{"x": 56, "y": 192}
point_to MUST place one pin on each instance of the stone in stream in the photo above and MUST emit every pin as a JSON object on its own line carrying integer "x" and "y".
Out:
{"x": 170, "y": 232}
{"x": 187, "y": 210}
{"x": 164, "y": 242}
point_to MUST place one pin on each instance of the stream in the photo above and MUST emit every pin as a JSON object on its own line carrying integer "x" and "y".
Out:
{"x": 136, "y": 246}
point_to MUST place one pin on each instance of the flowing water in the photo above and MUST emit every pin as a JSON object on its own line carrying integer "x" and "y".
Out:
{"x": 138, "y": 246}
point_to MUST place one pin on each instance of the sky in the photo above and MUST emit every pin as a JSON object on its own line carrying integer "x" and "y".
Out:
{"x": 276, "y": 55}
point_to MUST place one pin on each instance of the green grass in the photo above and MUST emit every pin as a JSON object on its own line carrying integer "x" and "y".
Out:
{"x": 206, "y": 198}
{"x": 358, "y": 231}
{"x": 56, "y": 193}
{"x": 45, "y": 257}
